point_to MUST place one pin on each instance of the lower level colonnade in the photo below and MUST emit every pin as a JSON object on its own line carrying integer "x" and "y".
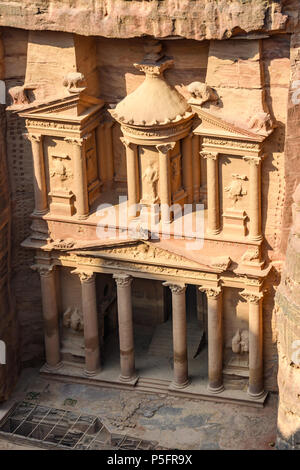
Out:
{"x": 126, "y": 330}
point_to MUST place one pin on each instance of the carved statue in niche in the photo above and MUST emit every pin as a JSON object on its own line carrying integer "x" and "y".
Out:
{"x": 73, "y": 318}
{"x": 240, "y": 342}
{"x": 73, "y": 339}
{"x": 150, "y": 180}
{"x": 235, "y": 188}
{"x": 201, "y": 93}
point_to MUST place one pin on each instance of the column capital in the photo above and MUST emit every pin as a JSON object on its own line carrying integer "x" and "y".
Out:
{"x": 43, "y": 270}
{"x": 253, "y": 160}
{"x": 165, "y": 148}
{"x": 123, "y": 280}
{"x": 211, "y": 292}
{"x": 209, "y": 155}
{"x": 33, "y": 137}
{"x": 77, "y": 140}
{"x": 85, "y": 276}
{"x": 175, "y": 288}
{"x": 251, "y": 297}
{"x": 127, "y": 143}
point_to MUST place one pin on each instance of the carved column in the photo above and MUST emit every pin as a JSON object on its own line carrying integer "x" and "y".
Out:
{"x": 109, "y": 151}
{"x": 127, "y": 360}
{"x": 180, "y": 379}
{"x": 256, "y": 386}
{"x": 165, "y": 181}
{"x": 196, "y": 168}
{"x": 90, "y": 323}
{"x": 50, "y": 314}
{"x": 255, "y": 197}
{"x": 215, "y": 339}
{"x": 187, "y": 167}
{"x": 80, "y": 177}
{"x": 213, "y": 205}
{"x": 132, "y": 180}
{"x": 39, "y": 178}
{"x": 101, "y": 151}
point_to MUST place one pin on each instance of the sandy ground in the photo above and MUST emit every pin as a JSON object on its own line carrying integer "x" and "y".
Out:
{"x": 177, "y": 423}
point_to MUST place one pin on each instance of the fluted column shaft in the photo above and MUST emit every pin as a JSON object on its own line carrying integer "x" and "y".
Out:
{"x": 180, "y": 378}
{"x": 215, "y": 339}
{"x": 90, "y": 323}
{"x": 256, "y": 385}
{"x": 50, "y": 315}
{"x": 213, "y": 204}
{"x": 39, "y": 181}
{"x": 126, "y": 336}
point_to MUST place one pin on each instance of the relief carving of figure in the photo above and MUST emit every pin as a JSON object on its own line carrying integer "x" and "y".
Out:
{"x": 73, "y": 318}
{"x": 235, "y": 188}
{"x": 240, "y": 342}
{"x": 74, "y": 81}
{"x": 261, "y": 122}
{"x": 18, "y": 95}
{"x": 150, "y": 180}
{"x": 59, "y": 169}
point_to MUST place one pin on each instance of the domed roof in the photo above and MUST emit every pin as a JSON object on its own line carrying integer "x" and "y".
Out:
{"x": 154, "y": 102}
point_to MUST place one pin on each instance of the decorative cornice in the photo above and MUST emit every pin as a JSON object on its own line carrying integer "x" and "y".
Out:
{"x": 123, "y": 280}
{"x": 251, "y": 297}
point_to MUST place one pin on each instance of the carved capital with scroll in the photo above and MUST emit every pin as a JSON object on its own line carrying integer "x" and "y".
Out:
{"x": 122, "y": 280}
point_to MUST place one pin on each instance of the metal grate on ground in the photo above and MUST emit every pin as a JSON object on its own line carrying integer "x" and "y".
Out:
{"x": 61, "y": 429}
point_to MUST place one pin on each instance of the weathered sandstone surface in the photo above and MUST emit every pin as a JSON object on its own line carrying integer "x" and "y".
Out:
{"x": 194, "y": 19}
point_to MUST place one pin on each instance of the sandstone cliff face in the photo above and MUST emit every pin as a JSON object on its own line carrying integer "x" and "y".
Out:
{"x": 288, "y": 327}
{"x": 8, "y": 324}
{"x": 193, "y": 19}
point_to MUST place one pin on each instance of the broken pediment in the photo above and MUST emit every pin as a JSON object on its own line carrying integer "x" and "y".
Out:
{"x": 77, "y": 106}
{"x": 214, "y": 126}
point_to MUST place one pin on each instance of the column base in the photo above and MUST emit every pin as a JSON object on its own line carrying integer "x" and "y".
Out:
{"x": 216, "y": 390}
{"x": 257, "y": 238}
{"x": 90, "y": 373}
{"x": 176, "y": 386}
{"x": 53, "y": 368}
{"x": 213, "y": 232}
{"x": 82, "y": 217}
{"x": 255, "y": 396}
{"x": 129, "y": 380}
{"x": 39, "y": 213}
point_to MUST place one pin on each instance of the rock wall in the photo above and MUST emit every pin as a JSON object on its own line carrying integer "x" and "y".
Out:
{"x": 193, "y": 19}
{"x": 8, "y": 324}
{"x": 288, "y": 327}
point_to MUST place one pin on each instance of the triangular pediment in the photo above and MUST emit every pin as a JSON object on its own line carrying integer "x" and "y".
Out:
{"x": 144, "y": 251}
{"x": 77, "y": 105}
{"x": 212, "y": 125}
